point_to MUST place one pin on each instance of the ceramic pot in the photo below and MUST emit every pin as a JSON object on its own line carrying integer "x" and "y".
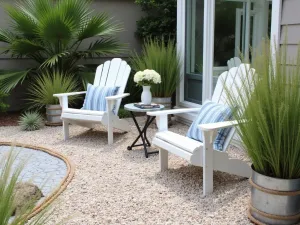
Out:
{"x": 146, "y": 97}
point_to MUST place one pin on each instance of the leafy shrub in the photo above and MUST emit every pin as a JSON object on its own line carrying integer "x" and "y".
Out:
{"x": 163, "y": 58}
{"x": 55, "y": 34}
{"x": 44, "y": 86}
{"x": 3, "y": 105}
{"x": 31, "y": 121}
{"x": 160, "y": 19}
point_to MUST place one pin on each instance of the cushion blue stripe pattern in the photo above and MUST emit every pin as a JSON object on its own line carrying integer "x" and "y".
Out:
{"x": 211, "y": 112}
{"x": 95, "y": 97}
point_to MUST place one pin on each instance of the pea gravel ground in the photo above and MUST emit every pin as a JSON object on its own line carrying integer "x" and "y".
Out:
{"x": 115, "y": 186}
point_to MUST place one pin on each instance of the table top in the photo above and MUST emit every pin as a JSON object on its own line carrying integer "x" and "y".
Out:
{"x": 131, "y": 107}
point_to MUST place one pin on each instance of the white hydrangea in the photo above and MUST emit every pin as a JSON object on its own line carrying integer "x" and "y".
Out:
{"x": 147, "y": 77}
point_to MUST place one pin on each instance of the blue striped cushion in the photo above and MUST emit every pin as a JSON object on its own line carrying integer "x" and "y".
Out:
{"x": 211, "y": 112}
{"x": 95, "y": 97}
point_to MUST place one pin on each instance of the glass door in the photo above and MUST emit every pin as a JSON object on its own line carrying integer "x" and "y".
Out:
{"x": 193, "y": 80}
{"x": 239, "y": 26}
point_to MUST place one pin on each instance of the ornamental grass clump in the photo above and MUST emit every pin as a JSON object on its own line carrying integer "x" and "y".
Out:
{"x": 269, "y": 115}
{"x": 164, "y": 59}
{"x": 9, "y": 176}
{"x": 43, "y": 88}
{"x": 31, "y": 121}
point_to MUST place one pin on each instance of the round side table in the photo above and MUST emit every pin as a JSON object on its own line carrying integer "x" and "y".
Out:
{"x": 142, "y": 132}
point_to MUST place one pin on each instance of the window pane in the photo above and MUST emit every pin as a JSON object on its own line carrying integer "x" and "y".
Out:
{"x": 239, "y": 26}
{"x": 194, "y": 51}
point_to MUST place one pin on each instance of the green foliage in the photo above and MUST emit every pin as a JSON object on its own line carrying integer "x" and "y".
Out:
{"x": 3, "y": 105}
{"x": 269, "y": 125}
{"x": 123, "y": 113}
{"x": 31, "y": 121}
{"x": 45, "y": 85}
{"x": 9, "y": 175}
{"x": 160, "y": 19}
{"x": 162, "y": 58}
{"x": 55, "y": 34}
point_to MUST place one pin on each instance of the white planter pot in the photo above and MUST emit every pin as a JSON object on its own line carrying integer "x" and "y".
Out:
{"x": 146, "y": 97}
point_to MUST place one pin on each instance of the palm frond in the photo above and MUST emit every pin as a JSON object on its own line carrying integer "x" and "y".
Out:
{"x": 10, "y": 79}
{"x": 52, "y": 61}
{"x": 98, "y": 26}
{"x": 103, "y": 47}
{"x": 25, "y": 47}
{"x": 6, "y": 36}
{"x": 22, "y": 23}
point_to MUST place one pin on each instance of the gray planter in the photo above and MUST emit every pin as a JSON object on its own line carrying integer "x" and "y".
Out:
{"x": 53, "y": 113}
{"x": 273, "y": 200}
{"x": 167, "y": 102}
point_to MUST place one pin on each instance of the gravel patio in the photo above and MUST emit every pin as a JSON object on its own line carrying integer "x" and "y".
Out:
{"x": 115, "y": 186}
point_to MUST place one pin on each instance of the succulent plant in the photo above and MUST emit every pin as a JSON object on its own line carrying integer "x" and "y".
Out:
{"x": 30, "y": 121}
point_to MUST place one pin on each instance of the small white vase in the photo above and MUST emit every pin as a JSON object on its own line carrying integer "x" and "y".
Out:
{"x": 146, "y": 95}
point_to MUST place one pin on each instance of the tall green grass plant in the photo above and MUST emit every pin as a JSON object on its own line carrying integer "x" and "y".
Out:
{"x": 164, "y": 59}
{"x": 269, "y": 119}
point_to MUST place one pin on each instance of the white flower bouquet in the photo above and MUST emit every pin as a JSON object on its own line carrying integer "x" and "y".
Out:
{"x": 147, "y": 78}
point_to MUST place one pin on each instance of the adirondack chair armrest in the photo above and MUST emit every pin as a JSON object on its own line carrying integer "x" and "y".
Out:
{"x": 63, "y": 98}
{"x": 217, "y": 126}
{"x": 116, "y": 97}
{"x": 172, "y": 111}
{"x": 69, "y": 94}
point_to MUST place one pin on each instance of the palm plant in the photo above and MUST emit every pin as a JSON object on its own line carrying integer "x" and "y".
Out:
{"x": 9, "y": 175}
{"x": 56, "y": 34}
{"x": 269, "y": 122}
{"x": 163, "y": 58}
{"x": 43, "y": 88}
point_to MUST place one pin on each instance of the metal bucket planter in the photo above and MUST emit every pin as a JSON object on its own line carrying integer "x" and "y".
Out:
{"x": 167, "y": 102}
{"x": 273, "y": 200}
{"x": 53, "y": 113}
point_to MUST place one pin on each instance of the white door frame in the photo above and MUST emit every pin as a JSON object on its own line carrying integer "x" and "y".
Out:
{"x": 208, "y": 44}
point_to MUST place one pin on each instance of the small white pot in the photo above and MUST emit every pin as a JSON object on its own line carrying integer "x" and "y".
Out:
{"x": 146, "y": 97}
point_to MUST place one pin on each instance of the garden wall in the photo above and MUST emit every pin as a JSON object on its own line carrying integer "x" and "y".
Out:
{"x": 123, "y": 11}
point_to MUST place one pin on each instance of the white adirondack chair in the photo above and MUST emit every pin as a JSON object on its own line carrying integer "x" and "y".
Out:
{"x": 198, "y": 153}
{"x": 111, "y": 73}
{"x": 234, "y": 62}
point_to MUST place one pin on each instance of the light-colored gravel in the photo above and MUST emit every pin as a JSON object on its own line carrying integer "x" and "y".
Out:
{"x": 115, "y": 186}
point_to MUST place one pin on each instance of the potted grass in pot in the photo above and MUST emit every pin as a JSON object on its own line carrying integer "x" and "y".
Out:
{"x": 162, "y": 57}
{"x": 269, "y": 126}
{"x": 43, "y": 88}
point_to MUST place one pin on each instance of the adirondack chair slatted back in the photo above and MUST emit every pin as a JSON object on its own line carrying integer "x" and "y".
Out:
{"x": 113, "y": 73}
{"x": 234, "y": 62}
{"x": 233, "y": 80}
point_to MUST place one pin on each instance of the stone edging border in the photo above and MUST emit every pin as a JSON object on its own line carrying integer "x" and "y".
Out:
{"x": 64, "y": 183}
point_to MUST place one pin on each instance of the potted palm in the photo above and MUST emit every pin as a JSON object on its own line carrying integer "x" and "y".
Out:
{"x": 269, "y": 126}
{"x": 163, "y": 58}
{"x": 43, "y": 88}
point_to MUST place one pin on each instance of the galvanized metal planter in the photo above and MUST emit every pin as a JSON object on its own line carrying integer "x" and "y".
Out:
{"x": 53, "y": 113}
{"x": 273, "y": 200}
{"x": 167, "y": 102}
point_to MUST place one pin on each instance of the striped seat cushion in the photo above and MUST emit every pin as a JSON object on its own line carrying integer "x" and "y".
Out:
{"x": 211, "y": 112}
{"x": 95, "y": 97}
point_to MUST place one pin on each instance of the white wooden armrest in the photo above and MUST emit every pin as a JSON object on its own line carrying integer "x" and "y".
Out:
{"x": 217, "y": 126}
{"x": 69, "y": 94}
{"x": 172, "y": 111}
{"x": 116, "y": 97}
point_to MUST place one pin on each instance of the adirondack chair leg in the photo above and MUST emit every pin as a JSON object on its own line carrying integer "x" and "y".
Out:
{"x": 110, "y": 134}
{"x": 208, "y": 170}
{"x": 163, "y": 159}
{"x": 66, "y": 130}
